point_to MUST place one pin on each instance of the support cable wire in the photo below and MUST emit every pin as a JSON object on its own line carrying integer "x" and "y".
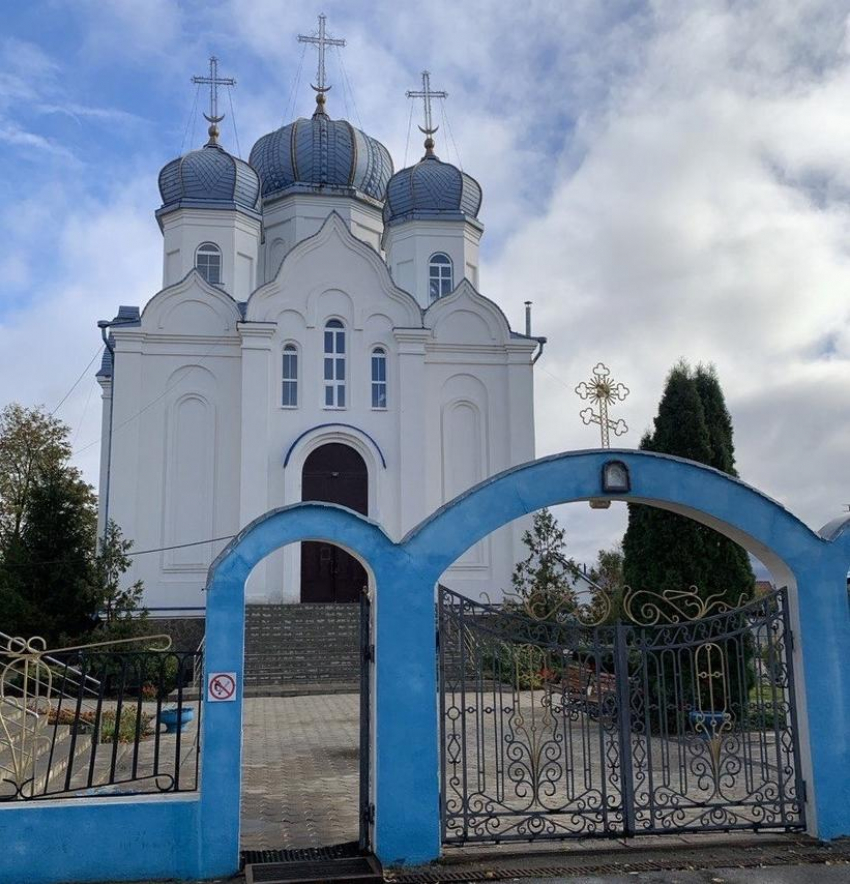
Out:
{"x": 233, "y": 117}
{"x": 142, "y": 410}
{"x": 347, "y": 80}
{"x": 344, "y": 91}
{"x": 77, "y": 381}
{"x": 190, "y": 119}
{"x": 85, "y": 412}
{"x": 130, "y": 554}
{"x": 445, "y": 117}
{"x": 407, "y": 143}
{"x": 290, "y": 102}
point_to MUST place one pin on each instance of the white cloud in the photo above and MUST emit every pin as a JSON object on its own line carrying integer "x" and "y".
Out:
{"x": 662, "y": 180}
{"x": 688, "y": 229}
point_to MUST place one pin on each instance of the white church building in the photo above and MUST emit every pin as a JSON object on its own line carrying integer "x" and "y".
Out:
{"x": 319, "y": 335}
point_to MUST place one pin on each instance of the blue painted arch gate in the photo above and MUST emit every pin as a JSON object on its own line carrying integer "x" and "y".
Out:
{"x": 198, "y": 835}
{"x": 406, "y": 788}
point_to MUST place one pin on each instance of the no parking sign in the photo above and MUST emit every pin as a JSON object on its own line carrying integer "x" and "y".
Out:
{"x": 221, "y": 687}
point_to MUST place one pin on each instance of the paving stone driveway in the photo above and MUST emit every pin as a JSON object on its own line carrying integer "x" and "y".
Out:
{"x": 300, "y": 771}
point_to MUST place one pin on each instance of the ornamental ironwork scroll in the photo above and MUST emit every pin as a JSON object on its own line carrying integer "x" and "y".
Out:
{"x": 88, "y": 720}
{"x": 558, "y": 723}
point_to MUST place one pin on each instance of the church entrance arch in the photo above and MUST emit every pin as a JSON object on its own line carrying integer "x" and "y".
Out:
{"x": 333, "y": 473}
{"x": 405, "y": 741}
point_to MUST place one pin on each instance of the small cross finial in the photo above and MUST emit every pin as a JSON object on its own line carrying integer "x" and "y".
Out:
{"x": 320, "y": 40}
{"x": 214, "y": 81}
{"x": 426, "y": 93}
{"x": 603, "y": 391}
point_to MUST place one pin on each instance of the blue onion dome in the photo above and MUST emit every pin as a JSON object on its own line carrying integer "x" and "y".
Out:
{"x": 321, "y": 155}
{"x": 432, "y": 190}
{"x": 209, "y": 178}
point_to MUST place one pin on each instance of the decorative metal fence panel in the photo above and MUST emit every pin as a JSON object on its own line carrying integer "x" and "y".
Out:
{"x": 680, "y": 718}
{"x": 91, "y": 722}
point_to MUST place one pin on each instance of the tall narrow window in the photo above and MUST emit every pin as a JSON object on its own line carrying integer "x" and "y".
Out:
{"x": 208, "y": 262}
{"x": 289, "y": 398}
{"x": 439, "y": 275}
{"x": 334, "y": 364}
{"x": 379, "y": 378}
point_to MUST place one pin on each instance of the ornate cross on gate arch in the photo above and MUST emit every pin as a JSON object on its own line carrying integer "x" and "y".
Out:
{"x": 603, "y": 392}
{"x": 321, "y": 40}
{"x": 426, "y": 93}
{"x": 214, "y": 81}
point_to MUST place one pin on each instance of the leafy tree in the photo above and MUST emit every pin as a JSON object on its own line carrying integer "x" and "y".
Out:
{"x": 31, "y": 443}
{"x": 607, "y": 575}
{"x": 543, "y": 581}
{"x": 52, "y": 581}
{"x": 53, "y": 571}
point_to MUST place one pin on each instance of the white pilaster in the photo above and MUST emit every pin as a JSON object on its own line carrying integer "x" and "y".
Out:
{"x": 413, "y": 505}
{"x": 256, "y": 407}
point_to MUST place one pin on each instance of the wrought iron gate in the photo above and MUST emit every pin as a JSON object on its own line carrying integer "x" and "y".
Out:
{"x": 680, "y": 716}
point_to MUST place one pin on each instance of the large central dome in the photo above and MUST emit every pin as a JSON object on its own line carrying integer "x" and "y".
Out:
{"x": 321, "y": 154}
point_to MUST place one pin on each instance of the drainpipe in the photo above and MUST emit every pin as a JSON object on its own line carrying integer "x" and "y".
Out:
{"x": 541, "y": 343}
{"x": 103, "y": 325}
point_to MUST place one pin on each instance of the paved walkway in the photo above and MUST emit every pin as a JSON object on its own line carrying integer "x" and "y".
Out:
{"x": 300, "y": 771}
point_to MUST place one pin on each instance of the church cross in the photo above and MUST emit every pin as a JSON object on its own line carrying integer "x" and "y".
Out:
{"x": 214, "y": 81}
{"x": 602, "y": 391}
{"x": 321, "y": 40}
{"x": 426, "y": 94}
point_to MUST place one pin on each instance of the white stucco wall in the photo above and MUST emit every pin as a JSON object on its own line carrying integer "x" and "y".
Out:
{"x": 207, "y": 452}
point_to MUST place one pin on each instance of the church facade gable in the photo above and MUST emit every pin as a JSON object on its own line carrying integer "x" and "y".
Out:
{"x": 328, "y": 381}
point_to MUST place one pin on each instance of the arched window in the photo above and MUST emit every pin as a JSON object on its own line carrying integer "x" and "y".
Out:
{"x": 289, "y": 395}
{"x": 379, "y": 378}
{"x": 208, "y": 262}
{"x": 439, "y": 275}
{"x": 334, "y": 364}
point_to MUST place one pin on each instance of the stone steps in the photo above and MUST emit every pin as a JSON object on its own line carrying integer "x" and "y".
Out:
{"x": 302, "y": 644}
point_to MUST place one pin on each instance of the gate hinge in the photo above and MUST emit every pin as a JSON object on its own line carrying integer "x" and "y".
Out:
{"x": 369, "y": 813}
{"x": 804, "y": 791}
{"x": 369, "y": 653}
{"x": 438, "y": 639}
{"x": 791, "y": 639}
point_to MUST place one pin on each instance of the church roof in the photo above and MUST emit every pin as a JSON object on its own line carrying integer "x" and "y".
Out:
{"x": 209, "y": 178}
{"x": 432, "y": 189}
{"x": 317, "y": 153}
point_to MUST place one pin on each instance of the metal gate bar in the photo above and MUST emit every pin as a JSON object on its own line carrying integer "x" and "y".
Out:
{"x": 680, "y": 718}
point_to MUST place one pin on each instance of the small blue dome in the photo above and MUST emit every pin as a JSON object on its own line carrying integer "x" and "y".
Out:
{"x": 321, "y": 152}
{"x": 209, "y": 178}
{"x": 432, "y": 189}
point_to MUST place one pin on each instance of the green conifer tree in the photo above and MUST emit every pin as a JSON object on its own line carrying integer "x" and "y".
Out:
{"x": 664, "y": 551}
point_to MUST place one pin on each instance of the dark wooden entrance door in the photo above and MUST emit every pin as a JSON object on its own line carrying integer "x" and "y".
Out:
{"x": 333, "y": 473}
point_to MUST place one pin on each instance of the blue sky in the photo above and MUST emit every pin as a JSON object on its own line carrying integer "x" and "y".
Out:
{"x": 661, "y": 179}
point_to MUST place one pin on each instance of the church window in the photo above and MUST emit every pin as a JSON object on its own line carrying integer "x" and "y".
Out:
{"x": 334, "y": 364}
{"x": 379, "y": 378}
{"x": 440, "y": 281}
{"x": 208, "y": 262}
{"x": 289, "y": 397}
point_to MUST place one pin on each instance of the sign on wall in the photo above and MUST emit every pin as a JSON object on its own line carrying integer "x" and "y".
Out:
{"x": 221, "y": 687}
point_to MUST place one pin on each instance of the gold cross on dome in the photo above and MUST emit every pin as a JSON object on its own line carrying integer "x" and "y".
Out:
{"x": 602, "y": 391}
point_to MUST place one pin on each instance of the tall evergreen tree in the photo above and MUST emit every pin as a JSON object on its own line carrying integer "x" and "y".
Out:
{"x": 665, "y": 551}
{"x": 729, "y": 562}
